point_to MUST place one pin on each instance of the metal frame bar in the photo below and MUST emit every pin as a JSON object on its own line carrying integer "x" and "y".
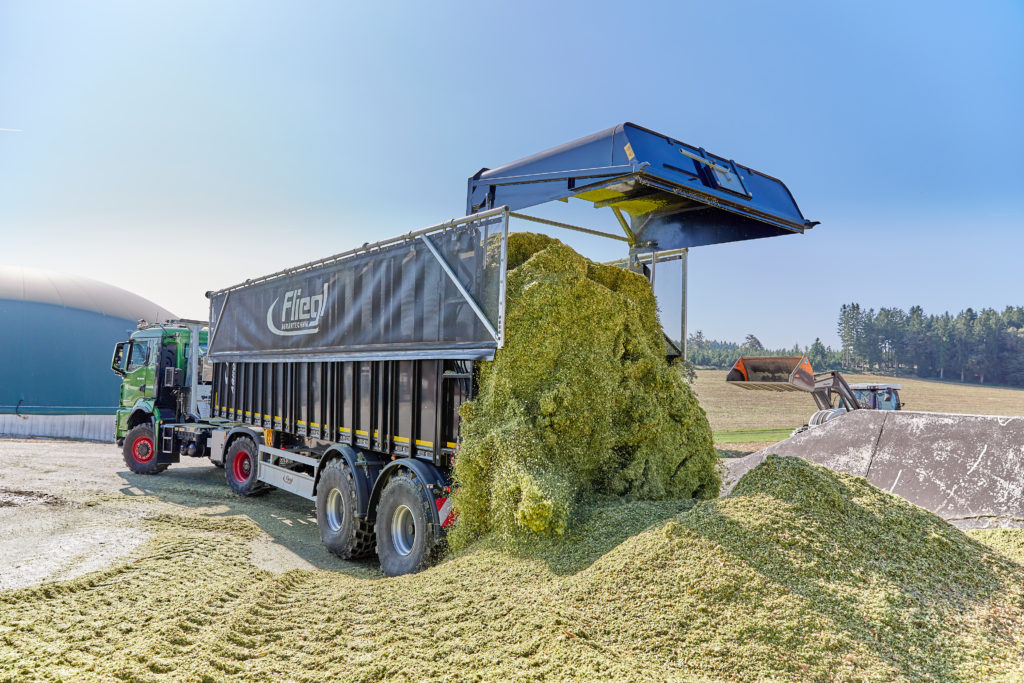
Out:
{"x": 193, "y": 370}
{"x": 644, "y": 257}
{"x": 502, "y": 281}
{"x": 462, "y": 289}
{"x": 624, "y": 225}
{"x": 272, "y": 472}
{"x": 288, "y": 455}
{"x": 599, "y": 172}
{"x": 704, "y": 161}
{"x": 567, "y": 226}
{"x": 365, "y": 248}
{"x": 654, "y": 257}
{"x": 484, "y": 351}
{"x": 220, "y": 317}
{"x": 685, "y": 257}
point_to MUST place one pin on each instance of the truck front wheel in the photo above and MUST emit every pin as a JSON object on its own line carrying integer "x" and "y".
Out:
{"x": 140, "y": 451}
{"x": 405, "y": 542}
{"x": 240, "y": 468}
{"x": 344, "y": 534}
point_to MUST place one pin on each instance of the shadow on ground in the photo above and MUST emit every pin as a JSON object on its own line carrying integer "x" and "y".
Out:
{"x": 289, "y": 521}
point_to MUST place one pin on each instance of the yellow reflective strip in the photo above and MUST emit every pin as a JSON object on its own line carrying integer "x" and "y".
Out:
{"x": 345, "y": 429}
{"x": 360, "y": 432}
{"x": 428, "y": 444}
{"x": 452, "y": 445}
{"x": 401, "y": 439}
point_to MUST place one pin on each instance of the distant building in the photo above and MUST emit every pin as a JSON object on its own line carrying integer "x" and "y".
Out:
{"x": 57, "y": 336}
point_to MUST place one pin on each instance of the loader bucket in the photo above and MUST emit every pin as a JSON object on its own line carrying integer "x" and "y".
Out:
{"x": 771, "y": 373}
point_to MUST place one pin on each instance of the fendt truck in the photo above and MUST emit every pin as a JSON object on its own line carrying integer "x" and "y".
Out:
{"x": 341, "y": 380}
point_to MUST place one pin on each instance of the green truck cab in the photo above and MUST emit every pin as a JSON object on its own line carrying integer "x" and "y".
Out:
{"x": 162, "y": 382}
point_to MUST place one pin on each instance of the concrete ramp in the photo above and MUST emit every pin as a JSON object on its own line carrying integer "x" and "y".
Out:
{"x": 968, "y": 469}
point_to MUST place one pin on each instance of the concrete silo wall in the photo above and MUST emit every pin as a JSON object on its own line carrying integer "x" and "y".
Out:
{"x": 968, "y": 469}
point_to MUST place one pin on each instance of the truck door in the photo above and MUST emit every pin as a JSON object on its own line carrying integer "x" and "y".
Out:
{"x": 138, "y": 379}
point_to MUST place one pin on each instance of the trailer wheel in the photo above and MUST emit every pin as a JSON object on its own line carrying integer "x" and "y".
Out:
{"x": 344, "y": 534}
{"x": 240, "y": 468}
{"x": 405, "y": 542}
{"x": 140, "y": 451}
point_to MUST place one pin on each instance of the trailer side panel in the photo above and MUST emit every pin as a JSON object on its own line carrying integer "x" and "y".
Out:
{"x": 397, "y": 408}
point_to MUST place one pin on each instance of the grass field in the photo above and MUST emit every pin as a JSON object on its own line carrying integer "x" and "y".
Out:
{"x": 739, "y": 416}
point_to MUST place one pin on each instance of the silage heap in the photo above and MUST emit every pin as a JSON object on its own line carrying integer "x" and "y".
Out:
{"x": 579, "y": 403}
{"x": 800, "y": 574}
{"x": 802, "y": 571}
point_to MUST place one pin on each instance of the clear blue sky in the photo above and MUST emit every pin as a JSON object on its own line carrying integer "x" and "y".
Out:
{"x": 175, "y": 147}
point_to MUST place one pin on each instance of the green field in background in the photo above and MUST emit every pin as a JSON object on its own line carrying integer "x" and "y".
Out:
{"x": 751, "y": 435}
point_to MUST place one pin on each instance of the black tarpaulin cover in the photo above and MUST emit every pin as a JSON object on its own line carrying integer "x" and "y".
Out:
{"x": 390, "y": 302}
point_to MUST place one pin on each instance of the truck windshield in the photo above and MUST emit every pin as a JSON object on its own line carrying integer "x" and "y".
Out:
{"x": 140, "y": 355}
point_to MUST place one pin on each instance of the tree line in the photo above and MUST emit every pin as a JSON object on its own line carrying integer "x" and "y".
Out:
{"x": 972, "y": 346}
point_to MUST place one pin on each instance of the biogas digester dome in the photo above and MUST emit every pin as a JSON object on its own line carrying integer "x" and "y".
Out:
{"x": 56, "y": 339}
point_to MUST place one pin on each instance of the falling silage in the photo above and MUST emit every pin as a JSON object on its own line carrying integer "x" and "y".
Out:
{"x": 579, "y": 403}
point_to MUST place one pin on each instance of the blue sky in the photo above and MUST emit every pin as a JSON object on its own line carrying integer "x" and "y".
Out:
{"x": 173, "y": 148}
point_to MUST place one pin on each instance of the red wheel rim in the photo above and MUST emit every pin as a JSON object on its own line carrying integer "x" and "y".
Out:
{"x": 242, "y": 466}
{"x": 142, "y": 449}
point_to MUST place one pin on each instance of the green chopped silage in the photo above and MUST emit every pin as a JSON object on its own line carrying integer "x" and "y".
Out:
{"x": 579, "y": 403}
{"x": 800, "y": 574}
{"x": 1008, "y": 542}
{"x": 810, "y": 574}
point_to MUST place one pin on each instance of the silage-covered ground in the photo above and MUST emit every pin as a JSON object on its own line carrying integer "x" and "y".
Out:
{"x": 800, "y": 574}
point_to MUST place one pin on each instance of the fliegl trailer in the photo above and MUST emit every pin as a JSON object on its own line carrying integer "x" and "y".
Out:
{"x": 341, "y": 380}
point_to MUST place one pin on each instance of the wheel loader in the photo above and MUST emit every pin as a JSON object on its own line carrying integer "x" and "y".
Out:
{"x": 833, "y": 395}
{"x": 968, "y": 469}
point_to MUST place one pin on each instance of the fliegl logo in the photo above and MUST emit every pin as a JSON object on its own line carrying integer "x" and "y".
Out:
{"x": 298, "y": 314}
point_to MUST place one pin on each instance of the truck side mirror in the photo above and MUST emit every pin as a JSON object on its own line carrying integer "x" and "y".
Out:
{"x": 118, "y": 360}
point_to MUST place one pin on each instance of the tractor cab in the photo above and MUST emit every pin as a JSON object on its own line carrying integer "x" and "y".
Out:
{"x": 878, "y": 396}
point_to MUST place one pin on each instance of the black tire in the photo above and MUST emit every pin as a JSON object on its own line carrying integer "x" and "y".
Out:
{"x": 342, "y": 533}
{"x": 405, "y": 540}
{"x": 240, "y": 467}
{"x": 140, "y": 451}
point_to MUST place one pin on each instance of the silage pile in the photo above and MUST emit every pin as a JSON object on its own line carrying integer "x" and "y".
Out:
{"x": 802, "y": 571}
{"x": 800, "y": 574}
{"x": 579, "y": 403}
